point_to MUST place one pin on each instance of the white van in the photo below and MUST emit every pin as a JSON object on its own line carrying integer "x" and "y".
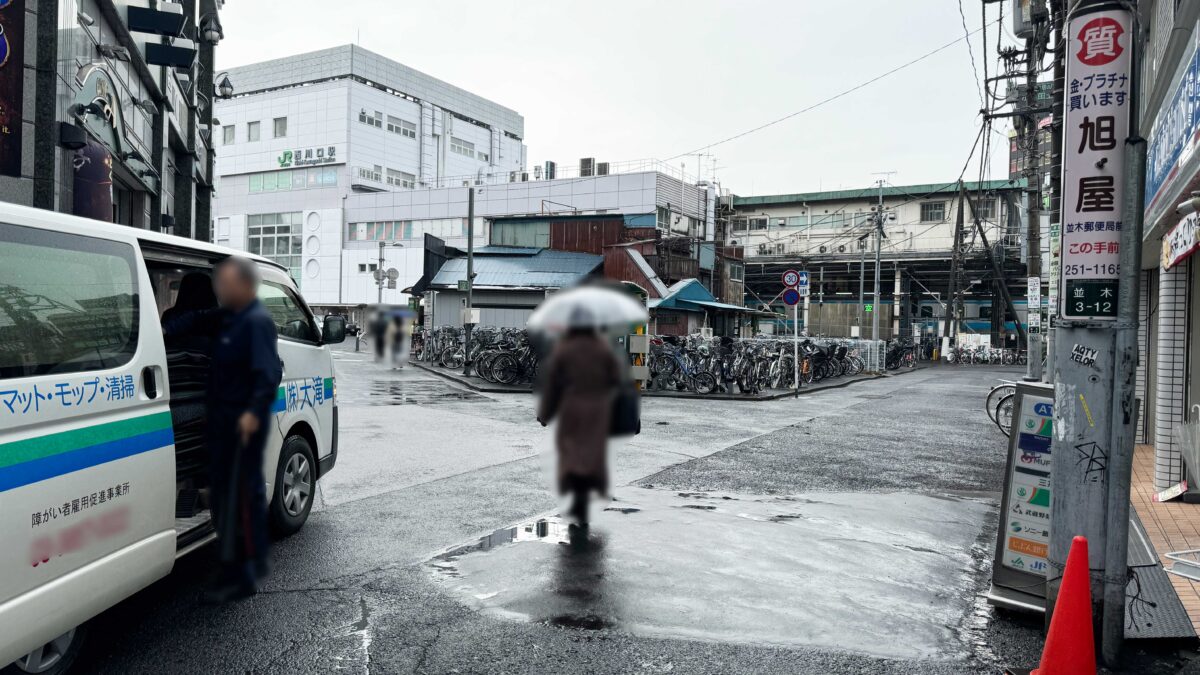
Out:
{"x": 103, "y": 465}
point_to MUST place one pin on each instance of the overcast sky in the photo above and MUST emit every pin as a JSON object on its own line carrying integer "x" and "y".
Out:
{"x": 632, "y": 79}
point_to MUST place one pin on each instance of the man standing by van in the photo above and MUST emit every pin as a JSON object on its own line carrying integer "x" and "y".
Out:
{"x": 243, "y": 380}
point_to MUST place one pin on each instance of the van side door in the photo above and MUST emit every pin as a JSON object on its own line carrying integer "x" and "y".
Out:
{"x": 87, "y": 459}
{"x": 306, "y": 392}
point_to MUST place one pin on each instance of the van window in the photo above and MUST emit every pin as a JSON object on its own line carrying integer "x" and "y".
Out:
{"x": 68, "y": 303}
{"x": 290, "y": 319}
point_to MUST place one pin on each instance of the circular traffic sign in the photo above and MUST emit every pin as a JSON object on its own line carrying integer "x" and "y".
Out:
{"x": 791, "y": 297}
{"x": 791, "y": 279}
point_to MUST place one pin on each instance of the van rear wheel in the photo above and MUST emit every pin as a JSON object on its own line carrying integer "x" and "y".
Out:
{"x": 53, "y": 658}
{"x": 295, "y": 485}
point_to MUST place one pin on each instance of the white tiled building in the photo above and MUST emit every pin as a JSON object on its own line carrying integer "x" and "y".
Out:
{"x": 309, "y": 134}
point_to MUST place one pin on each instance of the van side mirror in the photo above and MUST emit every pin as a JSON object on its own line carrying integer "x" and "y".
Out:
{"x": 334, "y": 330}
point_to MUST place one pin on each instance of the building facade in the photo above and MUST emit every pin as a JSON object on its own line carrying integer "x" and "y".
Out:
{"x": 309, "y": 139}
{"x": 1167, "y": 381}
{"x": 831, "y": 235}
{"x": 104, "y": 109}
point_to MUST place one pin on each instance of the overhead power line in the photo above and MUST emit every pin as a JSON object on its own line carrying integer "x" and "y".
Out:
{"x": 830, "y": 99}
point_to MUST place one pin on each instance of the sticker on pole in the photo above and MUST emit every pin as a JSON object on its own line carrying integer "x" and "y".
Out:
{"x": 791, "y": 297}
{"x": 1096, "y": 123}
{"x": 791, "y": 278}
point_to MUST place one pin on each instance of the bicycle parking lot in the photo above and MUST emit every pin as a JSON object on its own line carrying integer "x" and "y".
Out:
{"x": 506, "y": 360}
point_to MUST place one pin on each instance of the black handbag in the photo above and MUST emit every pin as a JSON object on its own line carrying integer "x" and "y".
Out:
{"x": 626, "y": 412}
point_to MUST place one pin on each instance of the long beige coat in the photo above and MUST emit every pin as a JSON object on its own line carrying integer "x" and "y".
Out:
{"x": 580, "y": 383}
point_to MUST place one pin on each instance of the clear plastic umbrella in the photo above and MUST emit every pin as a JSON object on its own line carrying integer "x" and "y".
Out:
{"x": 587, "y": 307}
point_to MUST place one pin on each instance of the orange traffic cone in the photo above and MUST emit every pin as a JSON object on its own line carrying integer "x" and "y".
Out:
{"x": 1070, "y": 647}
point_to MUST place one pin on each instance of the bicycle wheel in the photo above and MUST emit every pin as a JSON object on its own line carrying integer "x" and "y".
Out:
{"x": 1004, "y": 413}
{"x": 506, "y": 369}
{"x": 704, "y": 383}
{"x": 452, "y": 358}
{"x": 483, "y": 365}
{"x": 998, "y": 392}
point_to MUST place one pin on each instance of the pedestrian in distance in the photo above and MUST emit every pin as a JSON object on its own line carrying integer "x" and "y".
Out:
{"x": 580, "y": 385}
{"x": 243, "y": 380}
{"x": 378, "y": 329}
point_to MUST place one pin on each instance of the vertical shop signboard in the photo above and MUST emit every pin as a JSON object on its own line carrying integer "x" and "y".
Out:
{"x": 1098, "y": 100}
{"x": 12, "y": 84}
{"x": 1055, "y": 264}
{"x": 1023, "y": 542}
{"x": 1033, "y": 304}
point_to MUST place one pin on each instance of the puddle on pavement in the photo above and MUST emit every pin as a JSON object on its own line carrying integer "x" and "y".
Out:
{"x": 888, "y": 575}
{"x": 416, "y": 393}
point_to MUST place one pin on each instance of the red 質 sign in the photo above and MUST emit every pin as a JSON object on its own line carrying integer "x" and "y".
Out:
{"x": 1100, "y": 41}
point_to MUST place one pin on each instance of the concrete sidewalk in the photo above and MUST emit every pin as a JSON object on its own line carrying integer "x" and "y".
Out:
{"x": 1172, "y": 526}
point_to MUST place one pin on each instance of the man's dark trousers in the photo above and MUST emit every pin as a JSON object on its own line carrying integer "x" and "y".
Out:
{"x": 239, "y": 496}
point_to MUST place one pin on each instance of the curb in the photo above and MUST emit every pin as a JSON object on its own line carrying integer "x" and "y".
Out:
{"x": 464, "y": 381}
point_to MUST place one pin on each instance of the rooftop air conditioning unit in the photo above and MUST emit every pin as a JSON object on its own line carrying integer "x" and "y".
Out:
{"x": 537, "y": 173}
{"x": 524, "y": 176}
{"x": 762, "y": 249}
{"x": 587, "y": 166}
{"x": 824, "y": 249}
{"x": 842, "y": 248}
{"x": 602, "y": 169}
{"x": 551, "y": 170}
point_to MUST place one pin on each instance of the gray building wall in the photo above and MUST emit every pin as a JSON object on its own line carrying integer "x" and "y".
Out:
{"x": 500, "y": 309}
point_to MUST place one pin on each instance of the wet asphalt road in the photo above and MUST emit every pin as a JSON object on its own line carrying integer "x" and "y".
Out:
{"x": 426, "y": 468}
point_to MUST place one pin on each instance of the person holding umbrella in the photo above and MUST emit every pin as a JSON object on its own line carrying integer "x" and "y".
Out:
{"x": 581, "y": 385}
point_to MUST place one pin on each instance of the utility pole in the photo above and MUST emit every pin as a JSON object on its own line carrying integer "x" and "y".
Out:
{"x": 821, "y": 302}
{"x": 955, "y": 254}
{"x": 380, "y": 274}
{"x": 1034, "y": 47}
{"x": 1096, "y": 356}
{"x": 997, "y": 270}
{"x": 878, "y": 353}
{"x": 1057, "y": 97}
{"x": 862, "y": 272}
{"x": 468, "y": 316}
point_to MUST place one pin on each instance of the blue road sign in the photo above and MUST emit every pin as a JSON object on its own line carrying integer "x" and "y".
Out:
{"x": 791, "y": 297}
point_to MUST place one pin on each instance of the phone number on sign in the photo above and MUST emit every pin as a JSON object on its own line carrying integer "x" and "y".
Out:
{"x": 1097, "y": 270}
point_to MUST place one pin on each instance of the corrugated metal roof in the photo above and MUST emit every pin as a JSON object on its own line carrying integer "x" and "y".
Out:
{"x": 546, "y": 269}
{"x": 507, "y": 250}
{"x": 910, "y": 191}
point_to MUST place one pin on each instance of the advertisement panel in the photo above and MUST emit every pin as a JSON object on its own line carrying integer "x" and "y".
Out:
{"x": 1181, "y": 241}
{"x": 1098, "y": 101}
{"x": 12, "y": 82}
{"x": 1173, "y": 137}
{"x": 1023, "y": 540}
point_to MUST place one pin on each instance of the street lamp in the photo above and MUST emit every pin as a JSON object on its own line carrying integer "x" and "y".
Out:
{"x": 224, "y": 87}
{"x": 380, "y": 274}
{"x": 210, "y": 28}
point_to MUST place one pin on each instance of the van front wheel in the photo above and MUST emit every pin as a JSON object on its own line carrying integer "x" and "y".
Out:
{"x": 295, "y": 484}
{"x": 52, "y": 658}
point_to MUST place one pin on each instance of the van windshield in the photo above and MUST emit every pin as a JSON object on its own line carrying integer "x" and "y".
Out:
{"x": 68, "y": 303}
